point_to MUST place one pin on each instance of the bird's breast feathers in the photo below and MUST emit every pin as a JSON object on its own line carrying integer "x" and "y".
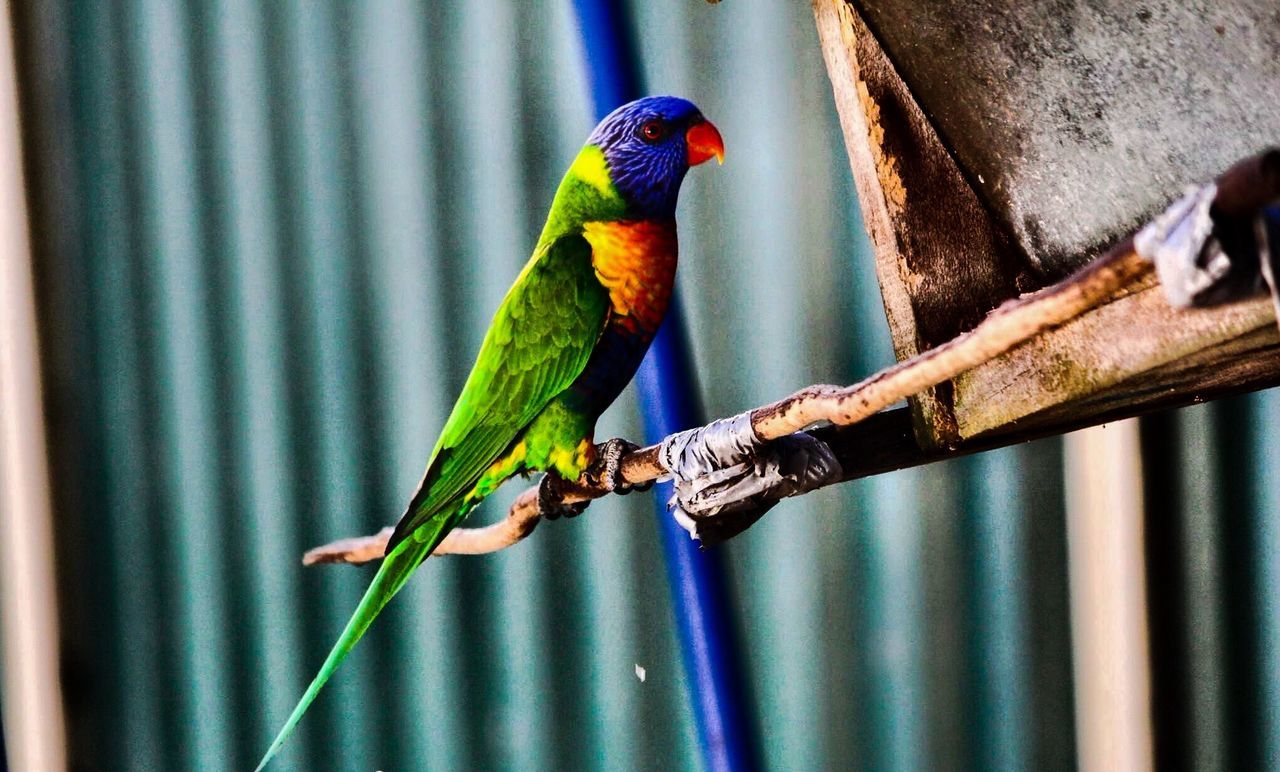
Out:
{"x": 635, "y": 260}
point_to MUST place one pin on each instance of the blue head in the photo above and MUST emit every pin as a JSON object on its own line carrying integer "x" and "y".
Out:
{"x": 649, "y": 144}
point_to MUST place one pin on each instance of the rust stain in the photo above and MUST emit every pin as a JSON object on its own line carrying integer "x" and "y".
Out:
{"x": 885, "y": 166}
{"x": 888, "y": 170}
{"x": 847, "y": 31}
{"x": 895, "y": 193}
{"x": 915, "y": 280}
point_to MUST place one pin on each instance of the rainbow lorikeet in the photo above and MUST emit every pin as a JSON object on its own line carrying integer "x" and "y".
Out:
{"x": 567, "y": 338}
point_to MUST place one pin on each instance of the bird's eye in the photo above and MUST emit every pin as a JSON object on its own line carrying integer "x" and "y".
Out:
{"x": 653, "y": 130}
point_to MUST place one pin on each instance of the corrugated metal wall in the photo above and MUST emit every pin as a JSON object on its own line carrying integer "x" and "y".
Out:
{"x": 270, "y": 238}
{"x": 1213, "y": 533}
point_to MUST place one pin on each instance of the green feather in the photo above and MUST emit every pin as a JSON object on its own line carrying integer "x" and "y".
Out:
{"x": 537, "y": 345}
{"x": 395, "y": 570}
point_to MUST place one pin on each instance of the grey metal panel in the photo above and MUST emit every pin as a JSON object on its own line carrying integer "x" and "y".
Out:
{"x": 291, "y": 224}
{"x": 1077, "y": 120}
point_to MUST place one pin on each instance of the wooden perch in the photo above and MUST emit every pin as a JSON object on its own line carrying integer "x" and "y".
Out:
{"x": 1006, "y": 327}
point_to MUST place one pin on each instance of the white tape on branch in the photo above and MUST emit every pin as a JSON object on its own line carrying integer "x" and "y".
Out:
{"x": 1206, "y": 258}
{"x": 1176, "y": 241}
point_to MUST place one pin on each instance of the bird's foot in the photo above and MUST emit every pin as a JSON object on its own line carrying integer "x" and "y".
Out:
{"x": 551, "y": 504}
{"x": 606, "y": 471}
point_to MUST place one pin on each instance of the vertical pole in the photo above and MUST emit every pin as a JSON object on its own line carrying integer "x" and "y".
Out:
{"x": 1108, "y": 598}
{"x": 30, "y": 688}
{"x": 669, "y": 402}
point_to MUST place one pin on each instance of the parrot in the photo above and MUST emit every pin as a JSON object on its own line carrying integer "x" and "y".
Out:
{"x": 566, "y": 339}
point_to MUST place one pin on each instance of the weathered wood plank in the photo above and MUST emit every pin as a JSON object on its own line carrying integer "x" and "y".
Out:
{"x": 886, "y": 442}
{"x": 1112, "y": 345}
{"x": 941, "y": 261}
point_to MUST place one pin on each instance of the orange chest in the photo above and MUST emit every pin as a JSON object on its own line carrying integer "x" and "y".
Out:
{"x": 636, "y": 263}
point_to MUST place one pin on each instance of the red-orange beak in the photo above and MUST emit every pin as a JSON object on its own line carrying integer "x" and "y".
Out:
{"x": 703, "y": 141}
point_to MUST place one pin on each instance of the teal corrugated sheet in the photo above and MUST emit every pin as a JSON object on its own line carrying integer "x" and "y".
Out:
{"x": 1259, "y": 427}
{"x": 1213, "y": 496}
{"x": 275, "y": 232}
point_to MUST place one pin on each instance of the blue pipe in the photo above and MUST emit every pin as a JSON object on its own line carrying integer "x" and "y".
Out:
{"x": 669, "y": 403}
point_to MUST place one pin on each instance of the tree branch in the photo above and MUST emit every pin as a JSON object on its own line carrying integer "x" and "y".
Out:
{"x": 1012, "y": 323}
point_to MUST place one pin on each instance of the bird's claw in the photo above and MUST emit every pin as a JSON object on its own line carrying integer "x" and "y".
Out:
{"x": 551, "y": 503}
{"x": 606, "y": 471}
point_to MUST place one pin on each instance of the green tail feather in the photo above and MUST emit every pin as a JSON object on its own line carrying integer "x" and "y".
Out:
{"x": 396, "y": 568}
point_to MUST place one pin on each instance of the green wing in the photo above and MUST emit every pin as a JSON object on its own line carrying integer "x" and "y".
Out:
{"x": 538, "y": 343}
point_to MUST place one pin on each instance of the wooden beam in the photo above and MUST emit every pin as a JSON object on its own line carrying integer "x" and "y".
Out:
{"x": 1118, "y": 353}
